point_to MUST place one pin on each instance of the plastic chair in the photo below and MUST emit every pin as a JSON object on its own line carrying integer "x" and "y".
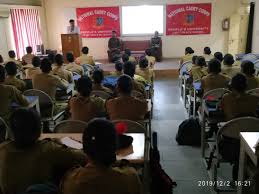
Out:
{"x": 249, "y": 57}
{"x": 101, "y": 94}
{"x": 254, "y": 92}
{"x": 70, "y": 126}
{"x": 88, "y": 69}
{"x": 256, "y": 63}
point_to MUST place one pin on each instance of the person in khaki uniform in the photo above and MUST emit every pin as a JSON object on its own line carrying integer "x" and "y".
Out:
{"x": 46, "y": 82}
{"x": 84, "y": 107}
{"x": 214, "y": 79}
{"x": 187, "y": 57}
{"x": 207, "y": 54}
{"x": 12, "y": 57}
{"x": 151, "y": 59}
{"x": 199, "y": 69}
{"x": 27, "y": 161}
{"x": 27, "y": 59}
{"x": 118, "y": 69}
{"x": 219, "y": 56}
{"x": 129, "y": 69}
{"x": 238, "y": 103}
{"x": 131, "y": 58}
{"x": 32, "y": 71}
{"x": 85, "y": 58}
{"x": 247, "y": 67}
{"x": 98, "y": 176}
{"x": 8, "y": 95}
{"x": 60, "y": 70}
{"x": 189, "y": 66}
{"x": 97, "y": 82}
{"x": 11, "y": 70}
{"x": 145, "y": 71}
{"x": 125, "y": 106}
{"x": 228, "y": 67}
{"x": 72, "y": 66}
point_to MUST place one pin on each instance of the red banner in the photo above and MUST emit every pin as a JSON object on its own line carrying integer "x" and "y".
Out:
{"x": 98, "y": 22}
{"x": 188, "y": 19}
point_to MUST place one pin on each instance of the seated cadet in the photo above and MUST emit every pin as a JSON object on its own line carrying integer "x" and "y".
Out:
{"x": 84, "y": 107}
{"x": 247, "y": 67}
{"x": 145, "y": 71}
{"x": 238, "y": 103}
{"x": 228, "y": 67}
{"x": 8, "y": 95}
{"x": 131, "y": 58}
{"x": 72, "y": 66}
{"x": 12, "y": 57}
{"x": 26, "y": 160}
{"x": 151, "y": 59}
{"x": 27, "y": 59}
{"x": 118, "y": 69}
{"x": 214, "y": 79}
{"x": 219, "y": 56}
{"x": 125, "y": 58}
{"x": 11, "y": 70}
{"x": 60, "y": 70}
{"x": 85, "y": 59}
{"x": 1, "y": 60}
{"x": 97, "y": 81}
{"x": 207, "y": 54}
{"x": 30, "y": 72}
{"x": 46, "y": 82}
{"x": 188, "y": 67}
{"x": 129, "y": 69}
{"x": 98, "y": 176}
{"x": 51, "y": 58}
{"x": 187, "y": 57}
{"x": 199, "y": 69}
{"x": 126, "y": 106}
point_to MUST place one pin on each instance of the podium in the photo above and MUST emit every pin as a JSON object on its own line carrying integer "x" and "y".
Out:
{"x": 71, "y": 43}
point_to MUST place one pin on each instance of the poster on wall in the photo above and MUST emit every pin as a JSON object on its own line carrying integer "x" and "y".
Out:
{"x": 188, "y": 19}
{"x": 98, "y": 22}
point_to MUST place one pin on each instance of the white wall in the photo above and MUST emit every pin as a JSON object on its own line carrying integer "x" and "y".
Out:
{"x": 58, "y": 12}
{"x": 256, "y": 28}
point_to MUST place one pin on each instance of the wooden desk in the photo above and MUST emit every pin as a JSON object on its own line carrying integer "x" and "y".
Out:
{"x": 247, "y": 142}
{"x": 135, "y": 153}
{"x": 33, "y": 102}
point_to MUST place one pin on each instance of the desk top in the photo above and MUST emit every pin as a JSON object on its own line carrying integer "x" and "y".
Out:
{"x": 134, "y": 153}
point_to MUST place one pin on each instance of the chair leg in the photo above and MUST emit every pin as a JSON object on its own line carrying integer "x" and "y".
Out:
{"x": 209, "y": 162}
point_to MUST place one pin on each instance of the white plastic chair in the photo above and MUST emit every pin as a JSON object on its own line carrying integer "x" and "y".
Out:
{"x": 70, "y": 126}
{"x": 254, "y": 92}
{"x": 249, "y": 57}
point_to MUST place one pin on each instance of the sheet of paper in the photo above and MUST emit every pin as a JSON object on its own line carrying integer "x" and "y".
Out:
{"x": 71, "y": 143}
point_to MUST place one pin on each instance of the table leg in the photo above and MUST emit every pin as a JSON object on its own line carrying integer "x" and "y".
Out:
{"x": 242, "y": 162}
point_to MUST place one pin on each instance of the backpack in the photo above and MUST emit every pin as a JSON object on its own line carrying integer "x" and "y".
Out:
{"x": 189, "y": 132}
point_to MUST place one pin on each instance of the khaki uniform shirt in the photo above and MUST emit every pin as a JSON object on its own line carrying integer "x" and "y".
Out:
{"x": 85, "y": 59}
{"x": 63, "y": 73}
{"x": 132, "y": 59}
{"x": 208, "y": 57}
{"x": 99, "y": 87}
{"x": 92, "y": 180}
{"x": 126, "y": 107}
{"x": 27, "y": 59}
{"x": 146, "y": 73}
{"x": 73, "y": 67}
{"x": 187, "y": 57}
{"x": 212, "y": 81}
{"x": 151, "y": 61}
{"x": 86, "y": 108}
{"x": 197, "y": 72}
{"x": 116, "y": 73}
{"x": 18, "y": 63}
{"x": 9, "y": 94}
{"x": 30, "y": 72}
{"x": 114, "y": 43}
{"x": 12, "y": 80}
{"x": 138, "y": 86}
{"x": 236, "y": 105}
{"x": 230, "y": 71}
{"x": 45, "y": 161}
{"x": 252, "y": 82}
{"x": 48, "y": 83}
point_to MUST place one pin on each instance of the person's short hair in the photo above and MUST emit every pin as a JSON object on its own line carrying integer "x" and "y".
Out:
{"x": 248, "y": 68}
{"x": 189, "y": 50}
{"x": 219, "y": 56}
{"x": 228, "y": 60}
{"x": 70, "y": 57}
{"x": 71, "y": 20}
{"x": 114, "y": 31}
{"x": 148, "y": 52}
{"x": 128, "y": 52}
{"x": 124, "y": 84}
{"x": 51, "y": 57}
{"x": 194, "y": 57}
{"x": 214, "y": 66}
{"x": 11, "y": 54}
{"x": 45, "y": 66}
{"x": 125, "y": 58}
{"x": 84, "y": 86}
{"x": 98, "y": 76}
{"x": 29, "y": 49}
{"x": 25, "y": 127}
{"x": 207, "y": 50}
{"x": 100, "y": 142}
{"x": 118, "y": 66}
{"x": 59, "y": 59}
{"x": 239, "y": 82}
{"x": 1, "y": 59}
{"x": 129, "y": 68}
{"x": 143, "y": 62}
{"x": 36, "y": 61}
{"x": 85, "y": 50}
{"x": 11, "y": 68}
{"x": 201, "y": 61}
{"x": 2, "y": 73}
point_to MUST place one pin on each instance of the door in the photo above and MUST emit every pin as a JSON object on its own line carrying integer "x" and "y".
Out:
{"x": 3, "y": 38}
{"x": 233, "y": 43}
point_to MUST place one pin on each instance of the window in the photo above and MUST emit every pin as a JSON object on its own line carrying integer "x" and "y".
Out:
{"x": 142, "y": 20}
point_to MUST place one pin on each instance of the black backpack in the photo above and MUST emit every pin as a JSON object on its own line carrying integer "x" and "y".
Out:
{"x": 189, "y": 132}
